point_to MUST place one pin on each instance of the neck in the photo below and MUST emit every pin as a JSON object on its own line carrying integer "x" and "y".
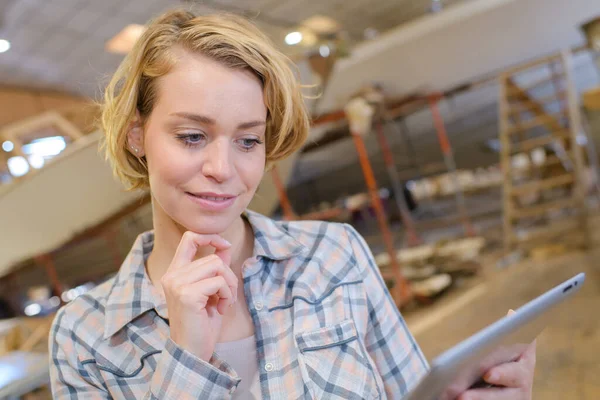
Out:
{"x": 167, "y": 235}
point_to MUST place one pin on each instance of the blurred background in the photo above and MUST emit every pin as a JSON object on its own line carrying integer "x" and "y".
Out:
{"x": 472, "y": 171}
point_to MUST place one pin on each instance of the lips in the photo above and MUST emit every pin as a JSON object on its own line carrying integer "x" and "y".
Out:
{"x": 213, "y": 198}
{"x": 212, "y": 201}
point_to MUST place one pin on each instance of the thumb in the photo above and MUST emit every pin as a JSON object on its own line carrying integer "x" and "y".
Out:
{"x": 511, "y": 312}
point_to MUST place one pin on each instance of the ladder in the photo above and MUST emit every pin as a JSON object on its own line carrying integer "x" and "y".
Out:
{"x": 542, "y": 162}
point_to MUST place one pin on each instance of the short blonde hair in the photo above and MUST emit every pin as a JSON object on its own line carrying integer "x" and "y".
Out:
{"x": 228, "y": 39}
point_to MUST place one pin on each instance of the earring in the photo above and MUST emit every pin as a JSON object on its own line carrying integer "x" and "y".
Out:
{"x": 134, "y": 149}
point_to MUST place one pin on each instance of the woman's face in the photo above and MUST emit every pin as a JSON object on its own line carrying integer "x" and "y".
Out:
{"x": 204, "y": 143}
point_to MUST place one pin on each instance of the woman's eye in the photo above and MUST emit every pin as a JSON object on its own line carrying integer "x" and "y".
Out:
{"x": 191, "y": 139}
{"x": 249, "y": 143}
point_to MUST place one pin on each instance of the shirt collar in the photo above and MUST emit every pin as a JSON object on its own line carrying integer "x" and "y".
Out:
{"x": 132, "y": 292}
{"x": 272, "y": 239}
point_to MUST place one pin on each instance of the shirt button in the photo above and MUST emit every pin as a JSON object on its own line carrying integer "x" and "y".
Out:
{"x": 258, "y": 305}
{"x": 268, "y": 367}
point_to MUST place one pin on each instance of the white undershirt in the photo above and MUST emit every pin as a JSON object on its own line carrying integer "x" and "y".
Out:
{"x": 241, "y": 356}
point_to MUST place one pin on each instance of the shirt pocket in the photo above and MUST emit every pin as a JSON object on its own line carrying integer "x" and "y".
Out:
{"x": 127, "y": 374}
{"x": 333, "y": 363}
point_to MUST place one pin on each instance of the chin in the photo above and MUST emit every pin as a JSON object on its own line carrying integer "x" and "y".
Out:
{"x": 208, "y": 224}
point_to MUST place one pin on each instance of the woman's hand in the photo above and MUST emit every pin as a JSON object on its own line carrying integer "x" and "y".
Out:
{"x": 515, "y": 379}
{"x": 198, "y": 293}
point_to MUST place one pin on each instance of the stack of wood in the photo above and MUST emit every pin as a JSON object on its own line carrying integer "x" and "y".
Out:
{"x": 432, "y": 268}
{"x": 445, "y": 185}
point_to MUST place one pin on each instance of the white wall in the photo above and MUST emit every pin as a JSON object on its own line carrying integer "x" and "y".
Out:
{"x": 467, "y": 41}
{"x": 44, "y": 210}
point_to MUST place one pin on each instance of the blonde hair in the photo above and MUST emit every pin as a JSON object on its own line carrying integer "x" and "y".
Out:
{"x": 228, "y": 39}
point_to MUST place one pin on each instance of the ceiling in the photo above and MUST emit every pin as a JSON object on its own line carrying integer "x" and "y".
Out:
{"x": 59, "y": 44}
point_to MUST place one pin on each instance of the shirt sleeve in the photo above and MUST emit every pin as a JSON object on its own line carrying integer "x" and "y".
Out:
{"x": 178, "y": 375}
{"x": 397, "y": 356}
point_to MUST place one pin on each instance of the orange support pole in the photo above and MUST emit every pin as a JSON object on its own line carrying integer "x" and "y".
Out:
{"x": 440, "y": 129}
{"x": 45, "y": 260}
{"x": 110, "y": 236}
{"x": 401, "y": 289}
{"x": 288, "y": 211}
{"x": 388, "y": 157}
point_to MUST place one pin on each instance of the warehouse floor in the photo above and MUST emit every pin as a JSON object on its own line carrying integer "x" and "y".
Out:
{"x": 568, "y": 355}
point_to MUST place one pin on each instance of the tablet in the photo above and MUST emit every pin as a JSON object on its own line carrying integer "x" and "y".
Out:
{"x": 461, "y": 367}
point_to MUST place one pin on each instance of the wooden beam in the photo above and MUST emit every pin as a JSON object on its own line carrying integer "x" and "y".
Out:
{"x": 575, "y": 126}
{"x": 541, "y": 141}
{"x": 548, "y": 183}
{"x": 535, "y": 105}
{"x": 540, "y": 209}
{"x": 531, "y": 86}
{"x": 523, "y": 126}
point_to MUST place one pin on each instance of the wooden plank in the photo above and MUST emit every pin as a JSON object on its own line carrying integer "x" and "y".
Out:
{"x": 537, "y": 107}
{"x": 548, "y": 183}
{"x": 534, "y": 63}
{"x": 557, "y": 227}
{"x": 541, "y": 141}
{"x": 540, "y": 209}
{"x": 505, "y": 162}
{"x": 513, "y": 92}
{"x": 576, "y": 127}
{"x": 522, "y": 107}
{"x": 536, "y": 122}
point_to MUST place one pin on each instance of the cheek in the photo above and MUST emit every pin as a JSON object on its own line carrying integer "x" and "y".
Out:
{"x": 169, "y": 163}
{"x": 251, "y": 170}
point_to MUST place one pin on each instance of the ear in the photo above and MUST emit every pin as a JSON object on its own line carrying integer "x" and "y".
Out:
{"x": 135, "y": 136}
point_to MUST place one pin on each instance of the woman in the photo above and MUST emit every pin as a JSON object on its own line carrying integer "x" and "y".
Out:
{"x": 219, "y": 302}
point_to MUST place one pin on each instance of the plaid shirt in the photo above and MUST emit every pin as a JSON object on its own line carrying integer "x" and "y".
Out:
{"x": 325, "y": 325}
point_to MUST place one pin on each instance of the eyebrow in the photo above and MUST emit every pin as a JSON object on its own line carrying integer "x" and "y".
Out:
{"x": 203, "y": 119}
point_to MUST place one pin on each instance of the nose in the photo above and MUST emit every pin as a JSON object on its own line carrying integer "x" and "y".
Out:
{"x": 218, "y": 162}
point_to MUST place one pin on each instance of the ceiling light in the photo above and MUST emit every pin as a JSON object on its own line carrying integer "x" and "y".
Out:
{"x": 324, "y": 50}
{"x": 123, "y": 41}
{"x": 8, "y": 146}
{"x": 36, "y": 161}
{"x": 33, "y": 309}
{"x": 293, "y": 38}
{"x": 4, "y": 45}
{"x": 46, "y": 147}
{"x": 18, "y": 166}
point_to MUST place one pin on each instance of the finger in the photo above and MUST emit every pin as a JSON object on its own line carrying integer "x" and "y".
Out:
{"x": 206, "y": 267}
{"x": 511, "y": 375}
{"x": 223, "y": 305}
{"x": 190, "y": 241}
{"x": 214, "y": 286}
{"x": 490, "y": 394}
{"x": 511, "y": 312}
